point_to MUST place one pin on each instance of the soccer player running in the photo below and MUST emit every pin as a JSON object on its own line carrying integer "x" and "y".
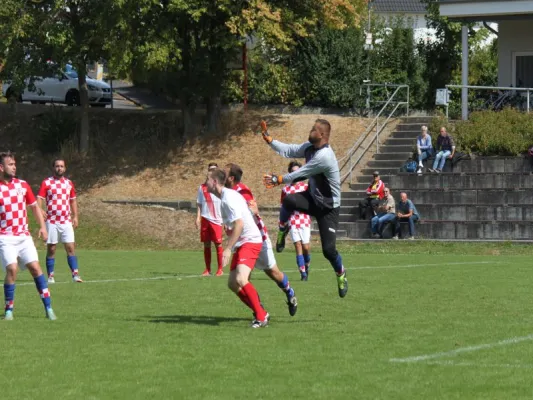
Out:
{"x": 266, "y": 261}
{"x": 323, "y": 196}
{"x": 209, "y": 221}
{"x": 300, "y": 225}
{"x": 244, "y": 241}
{"x": 16, "y": 242}
{"x": 61, "y": 218}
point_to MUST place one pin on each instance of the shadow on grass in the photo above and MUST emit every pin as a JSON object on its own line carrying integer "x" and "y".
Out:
{"x": 194, "y": 319}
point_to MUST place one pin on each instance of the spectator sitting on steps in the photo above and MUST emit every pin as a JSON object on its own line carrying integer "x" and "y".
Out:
{"x": 445, "y": 149}
{"x": 424, "y": 147}
{"x": 374, "y": 193}
{"x": 406, "y": 212}
{"x": 386, "y": 212}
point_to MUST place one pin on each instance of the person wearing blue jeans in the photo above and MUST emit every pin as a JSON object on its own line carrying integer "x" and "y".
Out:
{"x": 386, "y": 212}
{"x": 445, "y": 149}
{"x": 406, "y": 212}
{"x": 424, "y": 147}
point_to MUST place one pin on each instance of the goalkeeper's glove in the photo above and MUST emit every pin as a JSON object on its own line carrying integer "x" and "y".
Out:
{"x": 272, "y": 180}
{"x": 264, "y": 132}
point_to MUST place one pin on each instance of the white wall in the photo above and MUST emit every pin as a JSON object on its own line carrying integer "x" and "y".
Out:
{"x": 418, "y": 23}
{"x": 514, "y": 36}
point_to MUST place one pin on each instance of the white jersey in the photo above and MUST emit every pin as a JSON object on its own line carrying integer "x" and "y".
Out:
{"x": 234, "y": 207}
{"x": 209, "y": 205}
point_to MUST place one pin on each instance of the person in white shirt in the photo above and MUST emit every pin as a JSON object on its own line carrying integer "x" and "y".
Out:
{"x": 209, "y": 221}
{"x": 244, "y": 242}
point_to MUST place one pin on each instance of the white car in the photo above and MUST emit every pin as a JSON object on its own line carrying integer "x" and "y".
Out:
{"x": 62, "y": 88}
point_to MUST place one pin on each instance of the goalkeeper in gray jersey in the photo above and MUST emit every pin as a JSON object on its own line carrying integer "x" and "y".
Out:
{"x": 322, "y": 199}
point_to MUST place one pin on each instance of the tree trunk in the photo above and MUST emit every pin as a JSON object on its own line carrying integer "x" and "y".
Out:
{"x": 188, "y": 111}
{"x": 213, "y": 114}
{"x": 84, "y": 102}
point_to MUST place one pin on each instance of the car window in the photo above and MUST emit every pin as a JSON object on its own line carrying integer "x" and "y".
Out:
{"x": 71, "y": 74}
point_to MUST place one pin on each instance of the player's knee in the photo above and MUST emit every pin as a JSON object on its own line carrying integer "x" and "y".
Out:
{"x": 289, "y": 203}
{"x": 11, "y": 271}
{"x": 329, "y": 251}
{"x": 51, "y": 251}
{"x": 34, "y": 268}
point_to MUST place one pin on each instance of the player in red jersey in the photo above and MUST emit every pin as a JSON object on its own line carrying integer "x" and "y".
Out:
{"x": 266, "y": 261}
{"x": 244, "y": 241}
{"x": 300, "y": 225}
{"x": 61, "y": 218}
{"x": 209, "y": 221}
{"x": 16, "y": 243}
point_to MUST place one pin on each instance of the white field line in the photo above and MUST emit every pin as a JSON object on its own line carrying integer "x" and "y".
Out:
{"x": 468, "y": 349}
{"x": 180, "y": 277}
{"x": 452, "y": 363}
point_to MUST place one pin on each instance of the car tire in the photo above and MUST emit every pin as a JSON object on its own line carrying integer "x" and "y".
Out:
{"x": 73, "y": 98}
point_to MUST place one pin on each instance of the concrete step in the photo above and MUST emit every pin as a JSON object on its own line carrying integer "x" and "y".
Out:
{"x": 410, "y": 126}
{"x": 389, "y": 163}
{"x": 495, "y": 165}
{"x": 405, "y": 134}
{"x": 459, "y": 212}
{"x": 440, "y": 196}
{"x": 480, "y": 230}
{"x": 399, "y": 142}
{"x": 408, "y": 148}
{"x": 382, "y": 171}
{"x": 393, "y": 156}
{"x": 462, "y": 181}
{"x": 341, "y": 234}
{"x": 417, "y": 120}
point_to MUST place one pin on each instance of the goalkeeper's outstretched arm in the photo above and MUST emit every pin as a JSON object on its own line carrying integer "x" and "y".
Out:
{"x": 284, "y": 150}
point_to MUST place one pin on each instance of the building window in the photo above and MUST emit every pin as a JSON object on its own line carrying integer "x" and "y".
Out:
{"x": 523, "y": 69}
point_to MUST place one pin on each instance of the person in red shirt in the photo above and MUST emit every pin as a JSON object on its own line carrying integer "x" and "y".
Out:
{"x": 266, "y": 261}
{"x": 16, "y": 243}
{"x": 61, "y": 218}
{"x": 209, "y": 221}
{"x": 374, "y": 193}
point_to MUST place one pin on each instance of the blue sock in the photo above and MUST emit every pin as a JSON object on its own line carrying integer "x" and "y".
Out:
{"x": 337, "y": 265}
{"x": 285, "y": 286}
{"x": 300, "y": 262}
{"x": 50, "y": 264}
{"x": 73, "y": 264}
{"x": 9, "y": 296}
{"x": 307, "y": 259}
{"x": 284, "y": 216}
{"x": 42, "y": 288}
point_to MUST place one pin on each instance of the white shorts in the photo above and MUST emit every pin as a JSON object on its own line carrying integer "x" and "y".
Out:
{"x": 17, "y": 248}
{"x": 266, "y": 258}
{"x": 300, "y": 235}
{"x": 60, "y": 233}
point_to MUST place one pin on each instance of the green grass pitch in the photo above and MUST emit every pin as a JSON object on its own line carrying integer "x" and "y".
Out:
{"x": 144, "y": 325}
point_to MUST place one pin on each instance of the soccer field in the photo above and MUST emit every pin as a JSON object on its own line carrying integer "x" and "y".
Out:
{"x": 146, "y": 325}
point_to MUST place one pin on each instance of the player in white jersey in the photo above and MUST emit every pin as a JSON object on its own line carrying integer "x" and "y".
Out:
{"x": 244, "y": 242}
{"x": 61, "y": 218}
{"x": 209, "y": 221}
{"x": 16, "y": 244}
{"x": 300, "y": 225}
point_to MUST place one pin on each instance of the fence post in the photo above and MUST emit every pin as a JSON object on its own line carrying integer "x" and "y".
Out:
{"x": 528, "y": 100}
{"x": 377, "y": 136}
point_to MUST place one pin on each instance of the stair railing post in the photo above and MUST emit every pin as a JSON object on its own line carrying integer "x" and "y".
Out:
{"x": 408, "y": 98}
{"x": 377, "y": 137}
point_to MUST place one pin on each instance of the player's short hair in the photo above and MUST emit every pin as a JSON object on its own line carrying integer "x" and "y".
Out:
{"x": 219, "y": 175}
{"x": 293, "y": 164}
{"x": 6, "y": 154}
{"x": 235, "y": 171}
{"x": 325, "y": 123}
{"x": 58, "y": 159}
{"x": 212, "y": 165}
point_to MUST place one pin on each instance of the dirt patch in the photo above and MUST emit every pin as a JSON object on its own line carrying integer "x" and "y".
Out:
{"x": 180, "y": 178}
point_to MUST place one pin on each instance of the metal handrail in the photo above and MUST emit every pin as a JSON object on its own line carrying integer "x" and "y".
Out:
{"x": 375, "y": 123}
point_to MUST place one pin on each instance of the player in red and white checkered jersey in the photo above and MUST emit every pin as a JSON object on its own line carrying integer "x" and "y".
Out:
{"x": 61, "y": 218}
{"x": 209, "y": 221}
{"x": 266, "y": 261}
{"x": 300, "y": 225}
{"x": 16, "y": 243}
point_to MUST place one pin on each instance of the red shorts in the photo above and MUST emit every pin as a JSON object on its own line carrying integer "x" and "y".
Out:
{"x": 247, "y": 255}
{"x": 210, "y": 232}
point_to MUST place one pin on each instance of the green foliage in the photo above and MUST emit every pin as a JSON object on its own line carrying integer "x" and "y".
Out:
{"x": 488, "y": 133}
{"x": 55, "y": 128}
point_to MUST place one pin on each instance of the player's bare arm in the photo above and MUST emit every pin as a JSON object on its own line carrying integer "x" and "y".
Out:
{"x": 74, "y": 212}
{"x": 37, "y": 213}
{"x": 254, "y": 208}
{"x": 232, "y": 240}
{"x": 198, "y": 215}
{"x": 40, "y": 204}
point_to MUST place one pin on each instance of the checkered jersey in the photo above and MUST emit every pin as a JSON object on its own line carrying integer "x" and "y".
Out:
{"x": 298, "y": 219}
{"x": 14, "y": 196}
{"x": 247, "y": 194}
{"x": 57, "y": 193}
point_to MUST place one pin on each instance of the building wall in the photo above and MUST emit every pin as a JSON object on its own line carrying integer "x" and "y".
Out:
{"x": 514, "y": 36}
{"x": 417, "y": 21}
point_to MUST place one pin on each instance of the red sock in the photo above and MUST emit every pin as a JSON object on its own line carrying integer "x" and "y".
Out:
{"x": 244, "y": 298}
{"x": 220, "y": 252}
{"x": 207, "y": 258}
{"x": 253, "y": 298}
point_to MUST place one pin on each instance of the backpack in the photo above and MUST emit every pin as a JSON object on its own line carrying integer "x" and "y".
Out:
{"x": 409, "y": 166}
